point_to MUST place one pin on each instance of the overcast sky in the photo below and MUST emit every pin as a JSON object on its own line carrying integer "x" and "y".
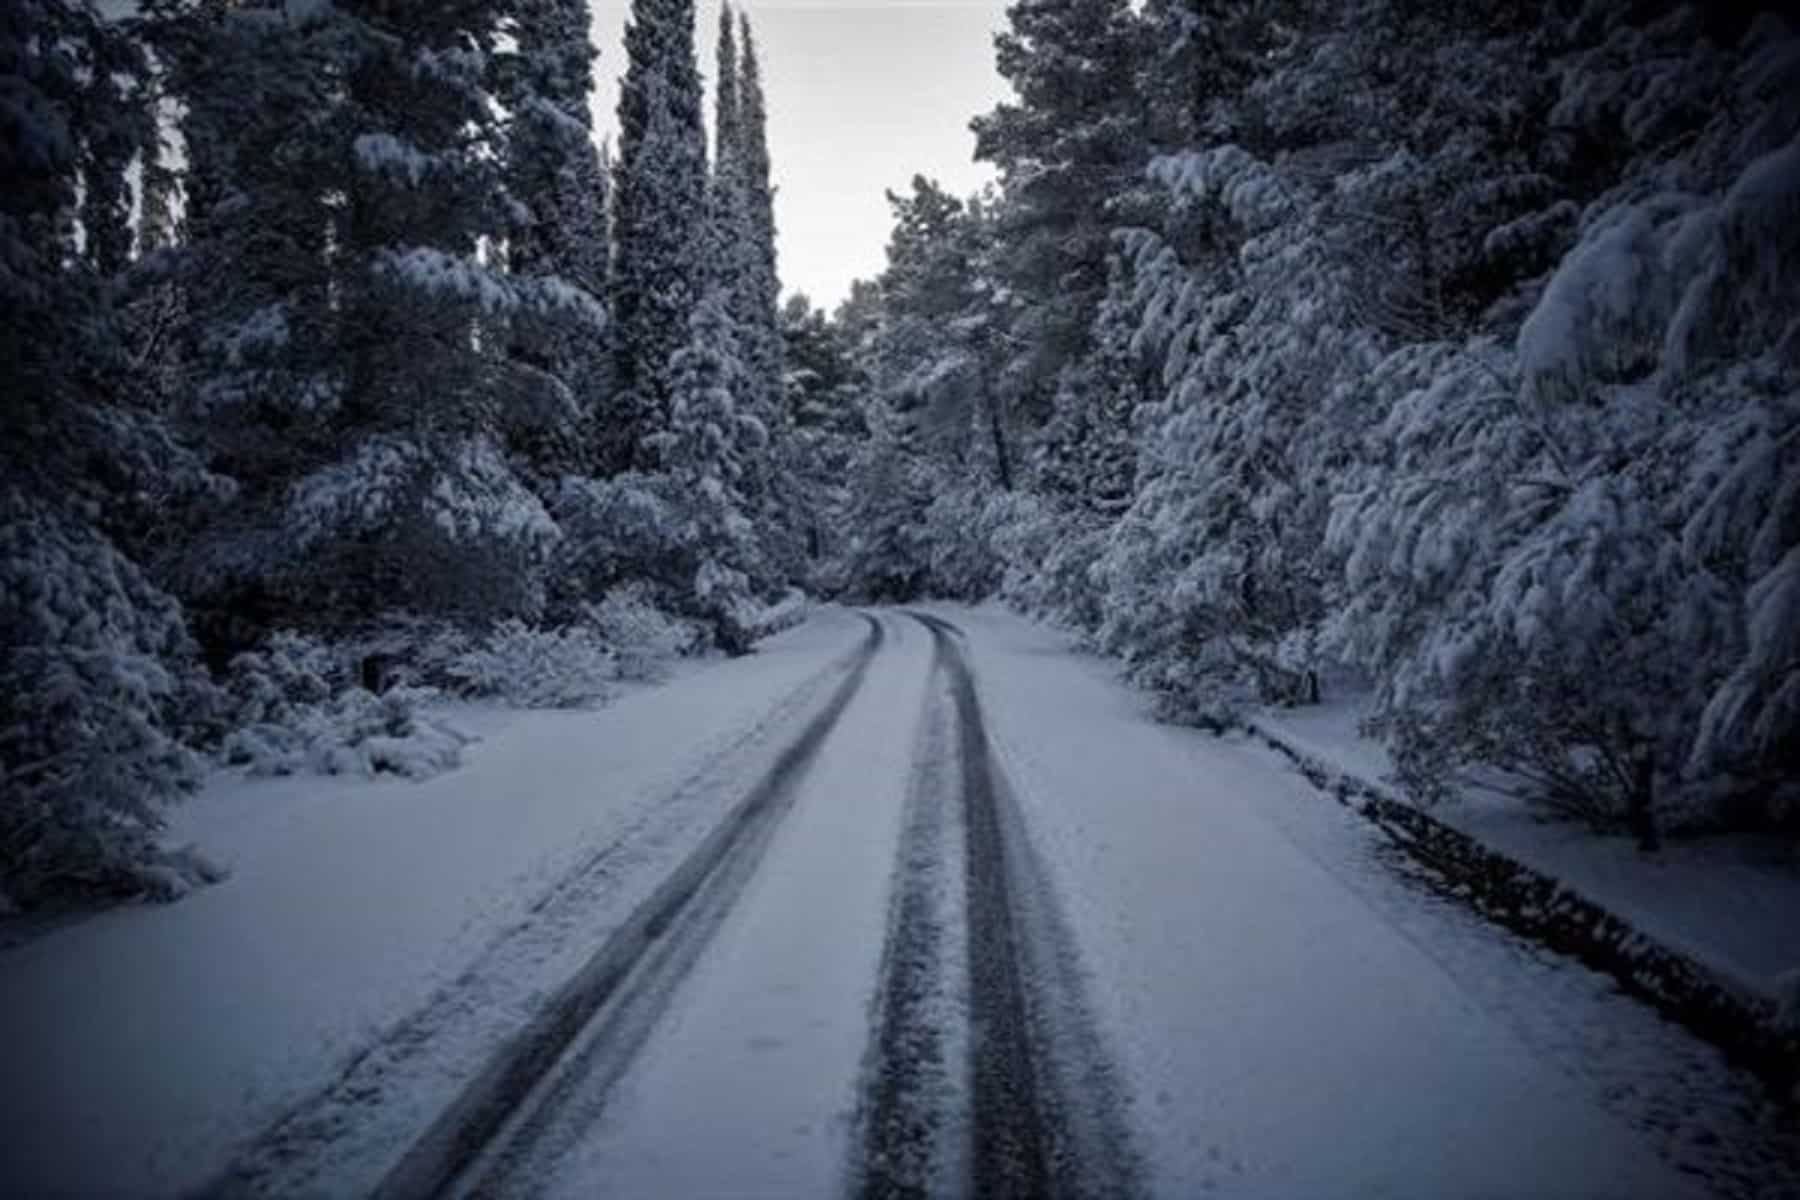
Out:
{"x": 862, "y": 95}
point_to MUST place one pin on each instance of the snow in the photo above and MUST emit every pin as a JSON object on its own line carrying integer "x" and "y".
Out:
{"x": 1727, "y": 902}
{"x": 385, "y": 152}
{"x": 1282, "y": 1036}
{"x": 778, "y": 1008}
{"x": 147, "y": 1043}
{"x": 438, "y": 272}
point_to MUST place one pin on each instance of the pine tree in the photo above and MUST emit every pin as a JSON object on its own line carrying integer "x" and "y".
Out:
{"x": 97, "y": 679}
{"x": 1087, "y": 453}
{"x": 553, "y": 169}
{"x": 659, "y": 204}
{"x": 1064, "y": 147}
{"x": 258, "y": 369}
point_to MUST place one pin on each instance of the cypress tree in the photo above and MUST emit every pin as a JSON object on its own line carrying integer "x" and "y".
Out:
{"x": 762, "y": 285}
{"x": 659, "y": 201}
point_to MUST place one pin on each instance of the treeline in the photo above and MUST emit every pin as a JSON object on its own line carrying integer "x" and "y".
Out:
{"x": 1448, "y": 350}
{"x": 329, "y": 334}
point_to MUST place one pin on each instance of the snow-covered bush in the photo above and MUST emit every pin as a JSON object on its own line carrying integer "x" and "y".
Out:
{"x": 298, "y": 709}
{"x": 784, "y": 613}
{"x": 96, "y": 675}
{"x": 353, "y": 732}
{"x": 290, "y": 673}
{"x": 642, "y": 638}
{"x": 572, "y": 667}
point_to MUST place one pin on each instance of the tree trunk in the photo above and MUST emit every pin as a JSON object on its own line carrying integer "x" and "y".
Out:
{"x": 1642, "y": 811}
{"x": 1002, "y": 456}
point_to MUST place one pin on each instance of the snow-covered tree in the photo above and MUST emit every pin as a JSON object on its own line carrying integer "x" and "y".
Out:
{"x": 761, "y": 286}
{"x": 1064, "y": 145}
{"x": 553, "y": 171}
{"x": 824, "y": 394}
{"x": 97, "y": 679}
{"x": 659, "y": 205}
{"x": 1571, "y": 566}
{"x": 701, "y": 455}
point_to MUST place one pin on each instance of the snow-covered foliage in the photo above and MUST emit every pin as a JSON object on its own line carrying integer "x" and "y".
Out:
{"x": 659, "y": 206}
{"x": 702, "y": 455}
{"x": 308, "y": 358}
{"x": 95, "y": 685}
{"x": 99, "y": 683}
{"x": 297, "y": 709}
{"x": 642, "y": 639}
{"x": 1454, "y": 346}
{"x": 538, "y": 668}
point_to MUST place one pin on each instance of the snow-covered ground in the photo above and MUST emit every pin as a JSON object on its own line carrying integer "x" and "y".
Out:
{"x": 750, "y": 1084}
{"x": 1283, "y": 1035}
{"x": 143, "y": 1045}
{"x": 1731, "y": 903}
{"x": 1273, "y": 1009}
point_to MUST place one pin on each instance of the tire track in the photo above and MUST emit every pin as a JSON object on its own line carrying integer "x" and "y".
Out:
{"x": 1043, "y": 1102}
{"x": 907, "y": 1151}
{"x": 608, "y": 1007}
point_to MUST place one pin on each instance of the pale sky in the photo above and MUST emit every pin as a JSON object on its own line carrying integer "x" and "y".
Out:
{"x": 862, "y": 95}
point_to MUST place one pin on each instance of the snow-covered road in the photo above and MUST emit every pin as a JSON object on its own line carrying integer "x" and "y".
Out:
{"x": 916, "y": 903}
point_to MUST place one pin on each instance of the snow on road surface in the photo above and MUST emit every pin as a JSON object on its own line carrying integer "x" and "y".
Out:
{"x": 1281, "y": 1038}
{"x": 902, "y": 905}
{"x": 144, "y": 1044}
{"x": 750, "y": 1081}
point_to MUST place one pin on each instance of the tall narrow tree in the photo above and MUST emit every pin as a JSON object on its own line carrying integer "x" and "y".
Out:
{"x": 763, "y": 283}
{"x": 727, "y": 121}
{"x": 659, "y": 200}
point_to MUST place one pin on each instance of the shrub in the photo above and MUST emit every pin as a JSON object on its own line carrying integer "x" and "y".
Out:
{"x": 539, "y": 668}
{"x": 642, "y": 637}
{"x": 298, "y": 711}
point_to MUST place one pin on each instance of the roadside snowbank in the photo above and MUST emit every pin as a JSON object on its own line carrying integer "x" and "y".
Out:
{"x": 1730, "y": 903}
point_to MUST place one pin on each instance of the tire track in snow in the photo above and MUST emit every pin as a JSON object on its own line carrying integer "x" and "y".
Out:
{"x": 909, "y": 1076}
{"x": 588, "y": 1031}
{"x": 1043, "y": 1103}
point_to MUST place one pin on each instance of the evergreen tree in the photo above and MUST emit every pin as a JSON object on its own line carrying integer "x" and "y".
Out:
{"x": 553, "y": 169}
{"x": 779, "y": 505}
{"x": 727, "y": 255}
{"x": 701, "y": 455}
{"x": 825, "y": 390}
{"x": 97, "y": 680}
{"x": 659, "y": 205}
{"x": 259, "y": 373}
{"x": 1068, "y": 143}
{"x": 1087, "y": 453}
{"x": 728, "y": 132}
{"x": 762, "y": 285}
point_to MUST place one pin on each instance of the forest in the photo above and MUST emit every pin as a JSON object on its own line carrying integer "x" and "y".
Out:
{"x": 1447, "y": 351}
